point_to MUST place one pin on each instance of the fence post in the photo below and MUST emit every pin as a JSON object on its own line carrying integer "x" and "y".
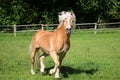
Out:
{"x": 95, "y": 28}
{"x": 15, "y": 30}
{"x": 42, "y": 26}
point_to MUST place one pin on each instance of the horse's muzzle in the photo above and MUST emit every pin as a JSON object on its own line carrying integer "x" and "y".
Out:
{"x": 68, "y": 30}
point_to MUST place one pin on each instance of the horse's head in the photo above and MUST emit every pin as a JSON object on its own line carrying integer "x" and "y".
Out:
{"x": 68, "y": 19}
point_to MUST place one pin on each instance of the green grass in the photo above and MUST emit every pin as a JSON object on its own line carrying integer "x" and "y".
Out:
{"x": 91, "y": 57}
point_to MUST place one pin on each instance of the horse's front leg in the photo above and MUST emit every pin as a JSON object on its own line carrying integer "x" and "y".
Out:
{"x": 57, "y": 64}
{"x": 61, "y": 57}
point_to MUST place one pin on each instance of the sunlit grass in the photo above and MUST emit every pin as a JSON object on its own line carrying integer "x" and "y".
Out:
{"x": 91, "y": 57}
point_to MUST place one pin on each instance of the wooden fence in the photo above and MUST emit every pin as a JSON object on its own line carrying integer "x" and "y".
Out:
{"x": 95, "y": 26}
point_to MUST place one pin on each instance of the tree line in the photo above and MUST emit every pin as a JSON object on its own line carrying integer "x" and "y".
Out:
{"x": 46, "y": 11}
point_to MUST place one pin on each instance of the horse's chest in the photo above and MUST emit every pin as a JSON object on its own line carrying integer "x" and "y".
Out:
{"x": 64, "y": 48}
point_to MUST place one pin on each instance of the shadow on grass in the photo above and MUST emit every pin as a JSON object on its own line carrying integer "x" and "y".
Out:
{"x": 66, "y": 70}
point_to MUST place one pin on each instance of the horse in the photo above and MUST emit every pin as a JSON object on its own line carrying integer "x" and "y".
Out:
{"x": 55, "y": 43}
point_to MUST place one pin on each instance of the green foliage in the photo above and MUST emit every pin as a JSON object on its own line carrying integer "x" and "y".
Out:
{"x": 46, "y": 17}
{"x": 46, "y": 11}
{"x": 100, "y": 10}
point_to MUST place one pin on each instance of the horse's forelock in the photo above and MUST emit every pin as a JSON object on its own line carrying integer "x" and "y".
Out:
{"x": 64, "y": 15}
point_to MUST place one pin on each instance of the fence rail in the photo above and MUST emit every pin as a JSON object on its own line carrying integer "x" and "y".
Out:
{"x": 95, "y": 26}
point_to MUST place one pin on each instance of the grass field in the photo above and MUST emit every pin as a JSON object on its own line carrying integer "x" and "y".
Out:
{"x": 91, "y": 57}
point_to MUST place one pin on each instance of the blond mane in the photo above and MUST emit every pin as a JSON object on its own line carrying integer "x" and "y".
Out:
{"x": 62, "y": 15}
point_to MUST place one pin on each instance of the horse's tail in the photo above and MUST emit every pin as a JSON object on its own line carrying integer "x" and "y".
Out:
{"x": 37, "y": 63}
{"x": 30, "y": 47}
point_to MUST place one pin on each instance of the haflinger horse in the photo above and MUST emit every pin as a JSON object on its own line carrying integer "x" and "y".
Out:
{"x": 55, "y": 43}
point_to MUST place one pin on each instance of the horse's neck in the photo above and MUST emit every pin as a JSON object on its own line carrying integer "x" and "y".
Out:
{"x": 60, "y": 25}
{"x": 61, "y": 32}
{"x": 61, "y": 29}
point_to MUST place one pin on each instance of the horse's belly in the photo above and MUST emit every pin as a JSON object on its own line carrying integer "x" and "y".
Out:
{"x": 64, "y": 49}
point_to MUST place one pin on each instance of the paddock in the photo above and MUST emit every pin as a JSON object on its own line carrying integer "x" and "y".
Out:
{"x": 91, "y": 57}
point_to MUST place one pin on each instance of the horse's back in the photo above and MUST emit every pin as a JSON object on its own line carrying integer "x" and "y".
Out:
{"x": 42, "y": 34}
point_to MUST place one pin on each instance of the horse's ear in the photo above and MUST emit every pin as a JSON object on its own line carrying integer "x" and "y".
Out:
{"x": 71, "y": 12}
{"x": 64, "y": 12}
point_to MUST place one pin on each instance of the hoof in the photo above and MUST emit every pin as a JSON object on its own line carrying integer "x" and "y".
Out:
{"x": 32, "y": 72}
{"x": 51, "y": 72}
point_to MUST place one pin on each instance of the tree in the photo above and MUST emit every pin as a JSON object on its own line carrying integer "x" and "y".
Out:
{"x": 99, "y": 10}
{"x": 46, "y": 11}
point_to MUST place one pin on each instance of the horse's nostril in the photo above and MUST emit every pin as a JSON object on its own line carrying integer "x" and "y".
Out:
{"x": 68, "y": 28}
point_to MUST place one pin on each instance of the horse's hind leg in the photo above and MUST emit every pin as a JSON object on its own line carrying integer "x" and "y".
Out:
{"x": 32, "y": 56}
{"x": 42, "y": 62}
